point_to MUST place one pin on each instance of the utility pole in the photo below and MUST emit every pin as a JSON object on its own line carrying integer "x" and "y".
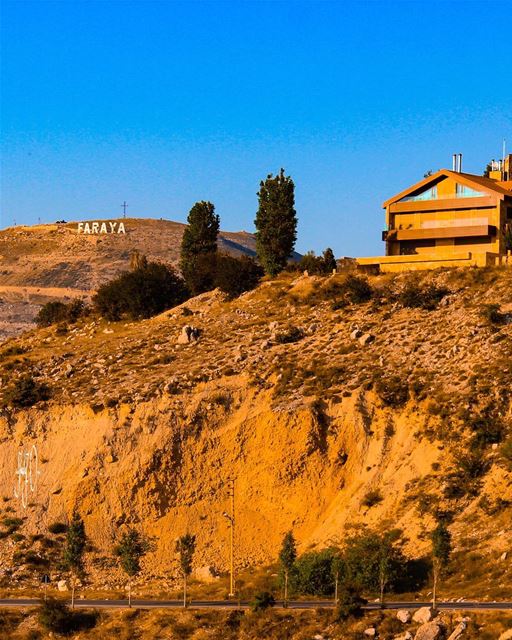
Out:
{"x": 231, "y": 518}
{"x": 123, "y": 207}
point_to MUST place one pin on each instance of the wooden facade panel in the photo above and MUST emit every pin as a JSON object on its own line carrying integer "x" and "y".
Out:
{"x": 443, "y": 204}
{"x": 442, "y": 232}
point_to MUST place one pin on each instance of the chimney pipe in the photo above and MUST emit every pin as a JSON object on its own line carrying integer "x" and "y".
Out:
{"x": 460, "y": 162}
{"x": 454, "y": 162}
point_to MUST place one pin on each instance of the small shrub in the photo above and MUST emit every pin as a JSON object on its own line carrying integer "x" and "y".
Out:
{"x": 25, "y": 392}
{"x": 350, "y": 603}
{"x": 466, "y": 478}
{"x": 315, "y": 265}
{"x": 491, "y": 314}
{"x": 425, "y": 296}
{"x": 234, "y": 276}
{"x": 357, "y": 288}
{"x": 57, "y": 527}
{"x": 263, "y": 600}
{"x": 351, "y": 289}
{"x": 12, "y": 524}
{"x": 56, "y": 617}
{"x": 60, "y": 312}
{"x": 487, "y": 426}
{"x": 372, "y": 498}
{"x": 15, "y": 350}
{"x": 141, "y": 293}
{"x": 392, "y": 390}
{"x": 35, "y": 560}
{"x": 292, "y": 334}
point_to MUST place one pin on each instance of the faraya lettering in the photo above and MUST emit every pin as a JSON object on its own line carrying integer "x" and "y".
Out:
{"x": 101, "y": 227}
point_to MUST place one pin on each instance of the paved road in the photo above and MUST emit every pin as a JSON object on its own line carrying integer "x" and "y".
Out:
{"x": 226, "y": 604}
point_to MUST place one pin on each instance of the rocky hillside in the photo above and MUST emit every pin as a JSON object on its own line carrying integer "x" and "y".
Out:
{"x": 48, "y": 262}
{"x": 332, "y": 402}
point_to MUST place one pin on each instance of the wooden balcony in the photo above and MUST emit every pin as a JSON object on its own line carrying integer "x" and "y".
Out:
{"x": 470, "y": 231}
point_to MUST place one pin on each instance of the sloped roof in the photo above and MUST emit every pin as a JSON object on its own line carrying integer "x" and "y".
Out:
{"x": 467, "y": 179}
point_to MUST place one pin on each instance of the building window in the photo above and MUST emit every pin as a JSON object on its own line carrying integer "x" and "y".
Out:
{"x": 427, "y": 194}
{"x": 462, "y": 191}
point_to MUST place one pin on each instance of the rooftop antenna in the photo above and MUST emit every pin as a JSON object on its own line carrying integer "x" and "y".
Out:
{"x": 123, "y": 206}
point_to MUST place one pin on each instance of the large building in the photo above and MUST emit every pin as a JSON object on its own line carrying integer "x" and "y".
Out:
{"x": 448, "y": 219}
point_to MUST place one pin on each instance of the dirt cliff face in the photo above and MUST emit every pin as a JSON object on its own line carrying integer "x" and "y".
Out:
{"x": 47, "y": 262}
{"x": 327, "y": 415}
{"x": 164, "y": 464}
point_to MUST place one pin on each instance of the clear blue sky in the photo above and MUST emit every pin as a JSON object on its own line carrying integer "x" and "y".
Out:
{"x": 166, "y": 103}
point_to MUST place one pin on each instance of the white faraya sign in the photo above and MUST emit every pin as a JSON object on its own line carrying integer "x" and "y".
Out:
{"x": 107, "y": 226}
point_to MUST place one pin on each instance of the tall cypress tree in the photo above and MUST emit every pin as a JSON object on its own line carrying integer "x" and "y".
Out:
{"x": 130, "y": 549}
{"x": 185, "y": 547}
{"x": 276, "y": 222}
{"x": 74, "y": 550}
{"x": 287, "y": 557}
{"x": 441, "y": 549}
{"x": 199, "y": 247}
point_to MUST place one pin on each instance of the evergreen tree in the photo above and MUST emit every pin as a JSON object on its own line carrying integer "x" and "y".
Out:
{"x": 388, "y": 560}
{"x": 441, "y": 549}
{"x": 199, "y": 246}
{"x": 373, "y": 560}
{"x": 488, "y": 169}
{"x": 276, "y": 222}
{"x": 185, "y": 547}
{"x": 329, "y": 260}
{"x": 74, "y": 550}
{"x": 131, "y": 548}
{"x": 287, "y": 557}
{"x": 338, "y": 569}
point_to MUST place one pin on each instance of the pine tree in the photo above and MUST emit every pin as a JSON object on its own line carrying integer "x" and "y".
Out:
{"x": 74, "y": 550}
{"x": 199, "y": 247}
{"x": 185, "y": 547}
{"x": 276, "y": 222}
{"x": 329, "y": 260}
{"x": 287, "y": 557}
{"x": 131, "y": 548}
{"x": 441, "y": 550}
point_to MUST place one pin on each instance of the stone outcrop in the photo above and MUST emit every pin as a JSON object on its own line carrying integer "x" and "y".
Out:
{"x": 429, "y": 631}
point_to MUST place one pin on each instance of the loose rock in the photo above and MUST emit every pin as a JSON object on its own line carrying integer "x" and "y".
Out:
{"x": 423, "y": 615}
{"x": 403, "y": 615}
{"x": 428, "y": 631}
